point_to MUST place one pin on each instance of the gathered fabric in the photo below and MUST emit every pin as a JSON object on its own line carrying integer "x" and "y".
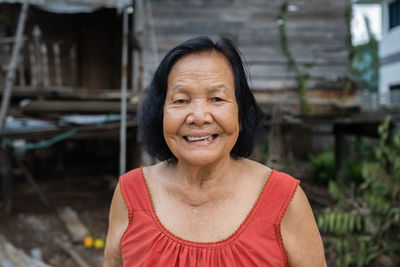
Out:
{"x": 257, "y": 242}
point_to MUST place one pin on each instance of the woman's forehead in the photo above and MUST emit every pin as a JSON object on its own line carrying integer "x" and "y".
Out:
{"x": 204, "y": 66}
{"x": 201, "y": 61}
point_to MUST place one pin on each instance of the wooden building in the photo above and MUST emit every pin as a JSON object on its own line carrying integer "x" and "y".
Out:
{"x": 72, "y": 59}
{"x": 76, "y": 45}
{"x": 316, "y": 31}
{"x": 70, "y": 65}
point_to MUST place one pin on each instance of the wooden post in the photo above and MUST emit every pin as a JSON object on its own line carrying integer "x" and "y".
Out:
{"x": 133, "y": 48}
{"x": 124, "y": 74}
{"x": 74, "y": 73}
{"x": 7, "y": 53}
{"x": 153, "y": 38}
{"x": 139, "y": 22}
{"x": 10, "y": 78}
{"x": 6, "y": 177}
{"x": 32, "y": 61}
{"x": 45, "y": 65}
{"x": 340, "y": 150}
{"x": 276, "y": 148}
{"x": 21, "y": 69}
{"x": 139, "y": 25}
{"x": 36, "y": 44}
{"x": 32, "y": 182}
{"x": 57, "y": 64}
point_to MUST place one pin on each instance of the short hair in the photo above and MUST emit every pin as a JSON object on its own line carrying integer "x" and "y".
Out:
{"x": 151, "y": 115}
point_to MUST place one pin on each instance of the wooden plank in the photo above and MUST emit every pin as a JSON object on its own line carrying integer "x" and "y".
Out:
{"x": 282, "y": 70}
{"x": 45, "y": 65}
{"x": 76, "y": 229}
{"x": 65, "y": 92}
{"x": 44, "y": 106}
{"x": 33, "y": 65}
{"x": 57, "y": 64}
{"x": 36, "y": 45}
{"x": 11, "y": 68}
{"x": 73, "y": 67}
{"x": 12, "y": 256}
{"x": 6, "y": 177}
{"x": 317, "y": 33}
{"x": 108, "y": 130}
{"x": 72, "y": 252}
{"x": 21, "y": 68}
{"x": 280, "y": 84}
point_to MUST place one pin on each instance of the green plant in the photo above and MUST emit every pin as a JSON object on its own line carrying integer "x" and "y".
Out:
{"x": 301, "y": 76}
{"x": 322, "y": 167}
{"x": 365, "y": 222}
{"x": 263, "y": 148}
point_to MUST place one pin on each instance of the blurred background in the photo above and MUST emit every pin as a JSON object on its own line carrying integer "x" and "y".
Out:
{"x": 74, "y": 72}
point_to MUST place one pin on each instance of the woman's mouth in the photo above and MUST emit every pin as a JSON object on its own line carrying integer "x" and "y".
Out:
{"x": 200, "y": 138}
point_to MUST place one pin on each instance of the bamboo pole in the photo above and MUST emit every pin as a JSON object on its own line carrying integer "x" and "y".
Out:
{"x": 10, "y": 78}
{"x": 124, "y": 73}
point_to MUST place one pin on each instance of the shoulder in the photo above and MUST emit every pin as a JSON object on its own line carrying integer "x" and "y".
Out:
{"x": 253, "y": 168}
{"x": 300, "y": 234}
{"x": 118, "y": 221}
{"x": 156, "y": 170}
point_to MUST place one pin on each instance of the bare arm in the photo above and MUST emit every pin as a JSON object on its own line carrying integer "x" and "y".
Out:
{"x": 118, "y": 221}
{"x": 301, "y": 238}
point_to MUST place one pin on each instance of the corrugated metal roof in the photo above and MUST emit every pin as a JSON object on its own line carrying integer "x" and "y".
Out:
{"x": 73, "y": 6}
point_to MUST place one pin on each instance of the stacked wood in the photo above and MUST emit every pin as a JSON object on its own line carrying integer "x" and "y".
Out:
{"x": 73, "y": 224}
{"x": 67, "y": 247}
{"x": 11, "y": 256}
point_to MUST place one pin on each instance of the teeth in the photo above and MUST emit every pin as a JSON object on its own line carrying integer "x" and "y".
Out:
{"x": 197, "y": 138}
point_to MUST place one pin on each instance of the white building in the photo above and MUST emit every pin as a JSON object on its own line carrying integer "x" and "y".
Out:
{"x": 389, "y": 53}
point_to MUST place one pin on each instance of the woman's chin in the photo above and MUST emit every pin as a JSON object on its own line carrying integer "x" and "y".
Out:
{"x": 201, "y": 160}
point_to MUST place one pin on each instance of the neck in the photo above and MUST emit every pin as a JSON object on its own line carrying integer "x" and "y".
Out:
{"x": 203, "y": 177}
{"x": 199, "y": 185}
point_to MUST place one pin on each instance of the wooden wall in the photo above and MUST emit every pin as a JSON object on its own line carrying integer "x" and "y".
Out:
{"x": 94, "y": 37}
{"x": 316, "y": 29}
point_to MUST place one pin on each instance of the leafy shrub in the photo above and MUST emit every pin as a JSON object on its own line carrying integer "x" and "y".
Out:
{"x": 322, "y": 167}
{"x": 365, "y": 222}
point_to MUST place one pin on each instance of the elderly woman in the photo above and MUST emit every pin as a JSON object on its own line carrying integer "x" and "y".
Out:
{"x": 205, "y": 204}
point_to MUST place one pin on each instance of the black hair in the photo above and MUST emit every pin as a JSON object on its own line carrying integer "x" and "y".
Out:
{"x": 151, "y": 116}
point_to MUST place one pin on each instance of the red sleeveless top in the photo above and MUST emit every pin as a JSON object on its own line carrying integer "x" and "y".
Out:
{"x": 257, "y": 242}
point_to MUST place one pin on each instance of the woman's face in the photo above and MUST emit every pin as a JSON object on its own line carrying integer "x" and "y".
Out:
{"x": 201, "y": 120}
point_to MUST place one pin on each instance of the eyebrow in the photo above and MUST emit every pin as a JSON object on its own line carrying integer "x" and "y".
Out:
{"x": 223, "y": 87}
{"x": 176, "y": 87}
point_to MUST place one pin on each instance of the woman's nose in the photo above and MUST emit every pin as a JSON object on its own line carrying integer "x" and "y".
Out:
{"x": 199, "y": 114}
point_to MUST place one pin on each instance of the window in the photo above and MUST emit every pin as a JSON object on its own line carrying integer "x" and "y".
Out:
{"x": 394, "y": 14}
{"x": 395, "y": 94}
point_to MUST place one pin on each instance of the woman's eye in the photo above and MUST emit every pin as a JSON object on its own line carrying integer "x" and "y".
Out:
{"x": 216, "y": 99}
{"x": 180, "y": 101}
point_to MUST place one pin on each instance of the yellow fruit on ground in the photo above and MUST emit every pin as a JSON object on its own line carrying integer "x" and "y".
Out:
{"x": 88, "y": 241}
{"x": 98, "y": 243}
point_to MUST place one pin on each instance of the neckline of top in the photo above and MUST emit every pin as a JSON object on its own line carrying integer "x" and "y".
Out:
{"x": 229, "y": 238}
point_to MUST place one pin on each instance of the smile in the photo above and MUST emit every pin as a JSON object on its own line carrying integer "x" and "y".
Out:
{"x": 200, "y": 138}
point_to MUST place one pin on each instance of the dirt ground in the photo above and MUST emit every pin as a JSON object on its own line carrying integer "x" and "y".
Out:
{"x": 34, "y": 227}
